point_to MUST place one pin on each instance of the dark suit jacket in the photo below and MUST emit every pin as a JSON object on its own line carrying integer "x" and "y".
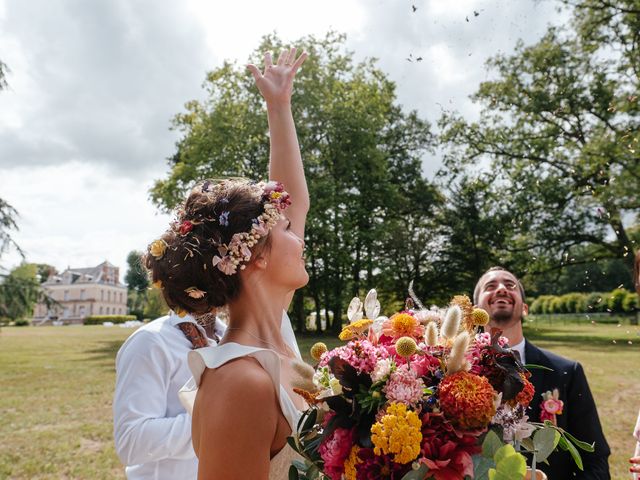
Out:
{"x": 579, "y": 416}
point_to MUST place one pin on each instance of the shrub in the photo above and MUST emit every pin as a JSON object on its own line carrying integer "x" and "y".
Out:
{"x": 572, "y": 302}
{"x": 539, "y": 305}
{"x": 100, "y": 319}
{"x": 597, "y": 302}
{"x": 630, "y": 303}
{"x": 556, "y": 305}
{"x": 22, "y": 322}
{"x": 616, "y": 299}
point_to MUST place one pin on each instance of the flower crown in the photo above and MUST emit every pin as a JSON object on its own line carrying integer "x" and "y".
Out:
{"x": 238, "y": 250}
{"x": 275, "y": 200}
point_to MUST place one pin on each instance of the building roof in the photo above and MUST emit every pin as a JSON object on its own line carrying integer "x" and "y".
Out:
{"x": 105, "y": 273}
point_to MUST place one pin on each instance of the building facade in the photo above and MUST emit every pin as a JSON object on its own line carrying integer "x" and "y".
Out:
{"x": 83, "y": 292}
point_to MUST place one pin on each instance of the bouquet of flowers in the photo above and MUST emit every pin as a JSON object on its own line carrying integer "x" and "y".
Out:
{"x": 419, "y": 395}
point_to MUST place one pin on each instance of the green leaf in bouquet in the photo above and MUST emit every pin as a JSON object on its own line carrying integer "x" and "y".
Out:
{"x": 573, "y": 451}
{"x": 530, "y": 366}
{"x": 527, "y": 443}
{"x": 293, "y": 443}
{"x": 491, "y": 444}
{"x": 293, "y": 473}
{"x": 587, "y": 447}
{"x": 481, "y": 466}
{"x": 545, "y": 442}
{"x": 311, "y": 420}
{"x": 510, "y": 465}
{"x": 416, "y": 474}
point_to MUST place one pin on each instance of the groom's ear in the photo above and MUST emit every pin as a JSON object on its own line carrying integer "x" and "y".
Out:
{"x": 525, "y": 309}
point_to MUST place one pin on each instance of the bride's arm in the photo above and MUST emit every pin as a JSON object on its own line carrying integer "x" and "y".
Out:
{"x": 285, "y": 165}
{"x": 234, "y": 426}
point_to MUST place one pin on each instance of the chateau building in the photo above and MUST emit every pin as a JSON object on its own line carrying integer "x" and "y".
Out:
{"x": 82, "y": 292}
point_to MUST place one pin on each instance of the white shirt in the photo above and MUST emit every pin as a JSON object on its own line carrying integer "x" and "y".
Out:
{"x": 520, "y": 349}
{"x": 152, "y": 431}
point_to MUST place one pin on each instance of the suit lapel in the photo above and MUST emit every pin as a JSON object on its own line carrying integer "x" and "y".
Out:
{"x": 539, "y": 377}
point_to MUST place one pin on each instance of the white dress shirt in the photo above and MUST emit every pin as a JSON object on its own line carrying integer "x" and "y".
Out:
{"x": 152, "y": 431}
{"x": 520, "y": 349}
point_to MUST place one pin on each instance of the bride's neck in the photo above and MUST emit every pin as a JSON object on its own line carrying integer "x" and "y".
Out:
{"x": 258, "y": 309}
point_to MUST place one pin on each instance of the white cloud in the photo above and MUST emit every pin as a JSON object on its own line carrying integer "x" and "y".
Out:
{"x": 94, "y": 85}
{"x": 76, "y": 215}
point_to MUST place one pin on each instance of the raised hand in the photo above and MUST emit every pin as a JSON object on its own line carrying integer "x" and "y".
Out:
{"x": 276, "y": 82}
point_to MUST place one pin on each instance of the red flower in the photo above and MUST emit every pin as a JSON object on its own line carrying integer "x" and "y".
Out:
{"x": 447, "y": 452}
{"x": 186, "y": 227}
{"x": 379, "y": 466}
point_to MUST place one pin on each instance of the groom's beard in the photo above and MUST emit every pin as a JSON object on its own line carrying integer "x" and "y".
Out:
{"x": 502, "y": 318}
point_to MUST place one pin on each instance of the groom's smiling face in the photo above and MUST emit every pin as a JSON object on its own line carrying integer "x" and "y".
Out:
{"x": 501, "y": 297}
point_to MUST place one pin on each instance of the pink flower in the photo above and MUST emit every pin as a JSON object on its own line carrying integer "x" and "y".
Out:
{"x": 425, "y": 364}
{"x": 260, "y": 228}
{"x": 224, "y": 264}
{"x": 334, "y": 450}
{"x": 553, "y": 406}
{"x": 484, "y": 340}
{"x": 404, "y": 387}
{"x": 360, "y": 354}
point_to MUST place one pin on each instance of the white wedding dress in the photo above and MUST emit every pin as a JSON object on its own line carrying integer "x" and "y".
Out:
{"x": 216, "y": 356}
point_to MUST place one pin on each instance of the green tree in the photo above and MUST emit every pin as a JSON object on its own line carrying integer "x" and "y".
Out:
{"x": 155, "y": 306}
{"x": 136, "y": 277}
{"x": 137, "y": 282}
{"x": 20, "y": 291}
{"x": 362, "y": 156}
{"x": 559, "y": 126}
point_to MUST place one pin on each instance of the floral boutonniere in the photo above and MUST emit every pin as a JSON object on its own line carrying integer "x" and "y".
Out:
{"x": 551, "y": 406}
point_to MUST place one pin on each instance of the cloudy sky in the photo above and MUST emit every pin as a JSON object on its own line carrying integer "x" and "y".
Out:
{"x": 84, "y": 125}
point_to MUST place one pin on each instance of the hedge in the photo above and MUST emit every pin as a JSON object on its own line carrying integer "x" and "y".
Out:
{"x": 100, "y": 319}
{"x": 616, "y": 301}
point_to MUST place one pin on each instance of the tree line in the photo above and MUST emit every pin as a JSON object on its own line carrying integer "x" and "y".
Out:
{"x": 545, "y": 181}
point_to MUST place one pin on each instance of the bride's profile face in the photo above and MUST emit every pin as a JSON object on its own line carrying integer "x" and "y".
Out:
{"x": 285, "y": 263}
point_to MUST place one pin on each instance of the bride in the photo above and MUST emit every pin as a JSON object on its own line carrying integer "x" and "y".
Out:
{"x": 239, "y": 245}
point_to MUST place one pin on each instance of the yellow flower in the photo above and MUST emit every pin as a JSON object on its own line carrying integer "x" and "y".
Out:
{"x": 350, "y": 464}
{"x": 406, "y": 346}
{"x": 275, "y": 195}
{"x": 355, "y": 329}
{"x": 180, "y": 312}
{"x": 480, "y": 317}
{"x": 157, "y": 284}
{"x": 157, "y": 248}
{"x": 398, "y": 433}
{"x": 317, "y": 350}
{"x": 466, "y": 306}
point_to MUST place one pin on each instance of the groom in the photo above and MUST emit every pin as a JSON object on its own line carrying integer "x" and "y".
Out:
{"x": 501, "y": 294}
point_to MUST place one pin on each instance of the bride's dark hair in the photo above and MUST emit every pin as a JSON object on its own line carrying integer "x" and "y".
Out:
{"x": 212, "y": 213}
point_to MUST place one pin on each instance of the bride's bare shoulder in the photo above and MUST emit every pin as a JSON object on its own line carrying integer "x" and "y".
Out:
{"x": 242, "y": 382}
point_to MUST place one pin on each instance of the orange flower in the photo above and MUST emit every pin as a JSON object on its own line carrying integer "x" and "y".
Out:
{"x": 402, "y": 325}
{"x": 525, "y": 395}
{"x": 467, "y": 400}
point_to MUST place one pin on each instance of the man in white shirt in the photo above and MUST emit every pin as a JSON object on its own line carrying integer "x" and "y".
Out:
{"x": 152, "y": 431}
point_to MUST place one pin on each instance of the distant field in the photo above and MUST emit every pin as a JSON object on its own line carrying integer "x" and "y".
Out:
{"x": 57, "y": 384}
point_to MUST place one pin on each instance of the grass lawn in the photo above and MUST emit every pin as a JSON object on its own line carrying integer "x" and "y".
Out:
{"x": 57, "y": 383}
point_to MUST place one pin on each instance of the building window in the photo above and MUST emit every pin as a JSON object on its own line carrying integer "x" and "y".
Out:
{"x": 100, "y": 310}
{"x": 102, "y": 295}
{"x": 82, "y": 311}
{"x": 66, "y": 295}
{"x": 81, "y": 294}
{"x": 109, "y": 296}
